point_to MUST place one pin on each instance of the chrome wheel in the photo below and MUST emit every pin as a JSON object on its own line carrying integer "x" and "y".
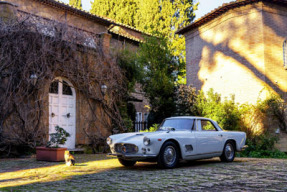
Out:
{"x": 229, "y": 151}
{"x": 169, "y": 155}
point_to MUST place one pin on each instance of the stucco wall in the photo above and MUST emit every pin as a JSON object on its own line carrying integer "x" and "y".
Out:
{"x": 227, "y": 54}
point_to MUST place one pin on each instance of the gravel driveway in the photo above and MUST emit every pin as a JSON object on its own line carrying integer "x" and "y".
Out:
{"x": 99, "y": 173}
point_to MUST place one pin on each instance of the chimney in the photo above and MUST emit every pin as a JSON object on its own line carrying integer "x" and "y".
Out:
{"x": 105, "y": 42}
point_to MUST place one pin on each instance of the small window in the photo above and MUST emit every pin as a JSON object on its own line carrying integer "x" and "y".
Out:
{"x": 207, "y": 126}
{"x": 54, "y": 87}
{"x": 67, "y": 89}
{"x": 285, "y": 54}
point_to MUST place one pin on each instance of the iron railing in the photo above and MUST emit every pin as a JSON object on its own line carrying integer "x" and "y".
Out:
{"x": 140, "y": 126}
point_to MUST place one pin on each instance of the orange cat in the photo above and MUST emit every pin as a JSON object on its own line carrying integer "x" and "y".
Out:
{"x": 70, "y": 160}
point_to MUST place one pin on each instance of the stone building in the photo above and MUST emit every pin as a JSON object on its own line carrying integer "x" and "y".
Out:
{"x": 65, "y": 105}
{"x": 240, "y": 49}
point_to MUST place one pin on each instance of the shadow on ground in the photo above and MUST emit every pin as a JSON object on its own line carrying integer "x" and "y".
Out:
{"x": 97, "y": 173}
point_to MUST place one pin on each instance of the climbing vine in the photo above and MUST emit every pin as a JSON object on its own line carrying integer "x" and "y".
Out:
{"x": 31, "y": 48}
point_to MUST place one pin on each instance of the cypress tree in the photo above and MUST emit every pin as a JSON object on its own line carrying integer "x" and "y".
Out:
{"x": 160, "y": 16}
{"x": 122, "y": 11}
{"x": 76, "y": 3}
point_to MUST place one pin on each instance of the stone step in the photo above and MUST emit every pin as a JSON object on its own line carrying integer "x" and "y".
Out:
{"x": 76, "y": 150}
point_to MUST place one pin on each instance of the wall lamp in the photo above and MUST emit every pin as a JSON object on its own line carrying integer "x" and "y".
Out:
{"x": 104, "y": 89}
{"x": 34, "y": 78}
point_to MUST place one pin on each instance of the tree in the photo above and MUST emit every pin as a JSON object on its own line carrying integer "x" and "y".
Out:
{"x": 76, "y": 3}
{"x": 132, "y": 71}
{"x": 162, "y": 58}
{"x": 151, "y": 16}
{"x": 122, "y": 11}
{"x": 159, "y": 75}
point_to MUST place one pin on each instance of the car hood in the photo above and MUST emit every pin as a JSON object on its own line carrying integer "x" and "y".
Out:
{"x": 135, "y": 137}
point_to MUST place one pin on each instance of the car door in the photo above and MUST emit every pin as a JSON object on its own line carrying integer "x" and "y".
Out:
{"x": 183, "y": 133}
{"x": 188, "y": 141}
{"x": 208, "y": 139}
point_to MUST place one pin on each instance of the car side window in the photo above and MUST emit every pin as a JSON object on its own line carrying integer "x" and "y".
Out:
{"x": 207, "y": 126}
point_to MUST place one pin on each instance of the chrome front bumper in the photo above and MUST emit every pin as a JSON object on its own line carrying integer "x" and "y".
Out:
{"x": 131, "y": 156}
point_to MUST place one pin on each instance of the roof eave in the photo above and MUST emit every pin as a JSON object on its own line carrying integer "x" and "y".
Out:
{"x": 221, "y": 10}
{"x": 63, "y": 6}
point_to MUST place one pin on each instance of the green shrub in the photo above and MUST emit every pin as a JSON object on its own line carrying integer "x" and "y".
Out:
{"x": 275, "y": 107}
{"x": 153, "y": 128}
{"x": 226, "y": 113}
{"x": 185, "y": 98}
{"x": 255, "y": 120}
{"x": 262, "y": 146}
{"x": 58, "y": 138}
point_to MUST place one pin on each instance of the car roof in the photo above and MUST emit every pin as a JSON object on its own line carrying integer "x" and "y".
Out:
{"x": 188, "y": 117}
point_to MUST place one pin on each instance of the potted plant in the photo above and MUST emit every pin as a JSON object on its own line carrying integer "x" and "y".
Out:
{"x": 52, "y": 151}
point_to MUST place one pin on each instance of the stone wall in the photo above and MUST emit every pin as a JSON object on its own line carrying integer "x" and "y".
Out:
{"x": 60, "y": 15}
{"x": 282, "y": 143}
{"x": 143, "y": 104}
{"x": 84, "y": 113}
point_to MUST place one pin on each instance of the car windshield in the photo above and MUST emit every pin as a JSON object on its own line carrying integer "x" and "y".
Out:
{"x": 176, "y": 124}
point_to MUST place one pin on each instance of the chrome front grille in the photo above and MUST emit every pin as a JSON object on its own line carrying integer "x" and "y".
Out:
{"x": 126, "y": 148}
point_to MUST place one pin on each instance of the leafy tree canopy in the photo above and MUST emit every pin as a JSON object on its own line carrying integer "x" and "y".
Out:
{"x": 159, "y": 75}
{"x": 164, "y": 17}
{"x": 76, "y": 3}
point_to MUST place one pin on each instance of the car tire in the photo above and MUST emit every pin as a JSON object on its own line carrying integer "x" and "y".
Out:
{"x": 126, "y": 163}
{"x": 169, "y": 156}
{"x": 228, "y": 153}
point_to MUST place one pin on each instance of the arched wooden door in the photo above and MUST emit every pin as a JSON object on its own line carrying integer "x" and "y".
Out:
{"x": 62, "y": 109}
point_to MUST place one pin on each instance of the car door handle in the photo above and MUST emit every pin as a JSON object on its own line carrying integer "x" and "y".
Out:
{"x": 220, "y": 135}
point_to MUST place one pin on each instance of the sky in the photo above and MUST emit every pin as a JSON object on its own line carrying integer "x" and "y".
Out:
{"x": 85, "y": 3}
{"x": 204, "y": 7}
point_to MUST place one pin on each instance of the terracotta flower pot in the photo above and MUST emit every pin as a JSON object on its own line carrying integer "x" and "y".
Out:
{"x": 50, "y": 154}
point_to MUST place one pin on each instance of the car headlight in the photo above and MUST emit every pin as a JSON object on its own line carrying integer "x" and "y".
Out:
{"x": 109, "y": 141}
{"x": 146, "y": 141}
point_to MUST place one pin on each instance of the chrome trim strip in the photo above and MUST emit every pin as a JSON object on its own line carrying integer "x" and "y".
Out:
{"x": 204, "y": 153}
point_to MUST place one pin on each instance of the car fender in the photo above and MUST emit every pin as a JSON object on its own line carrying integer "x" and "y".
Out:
{"x": 238, "y": 137}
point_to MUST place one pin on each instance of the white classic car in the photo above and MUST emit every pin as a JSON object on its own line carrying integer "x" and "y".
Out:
{"x": 187, "y": 138}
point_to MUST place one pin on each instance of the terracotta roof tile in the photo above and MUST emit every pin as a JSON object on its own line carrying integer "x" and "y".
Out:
{"x": 222, "y": 9}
